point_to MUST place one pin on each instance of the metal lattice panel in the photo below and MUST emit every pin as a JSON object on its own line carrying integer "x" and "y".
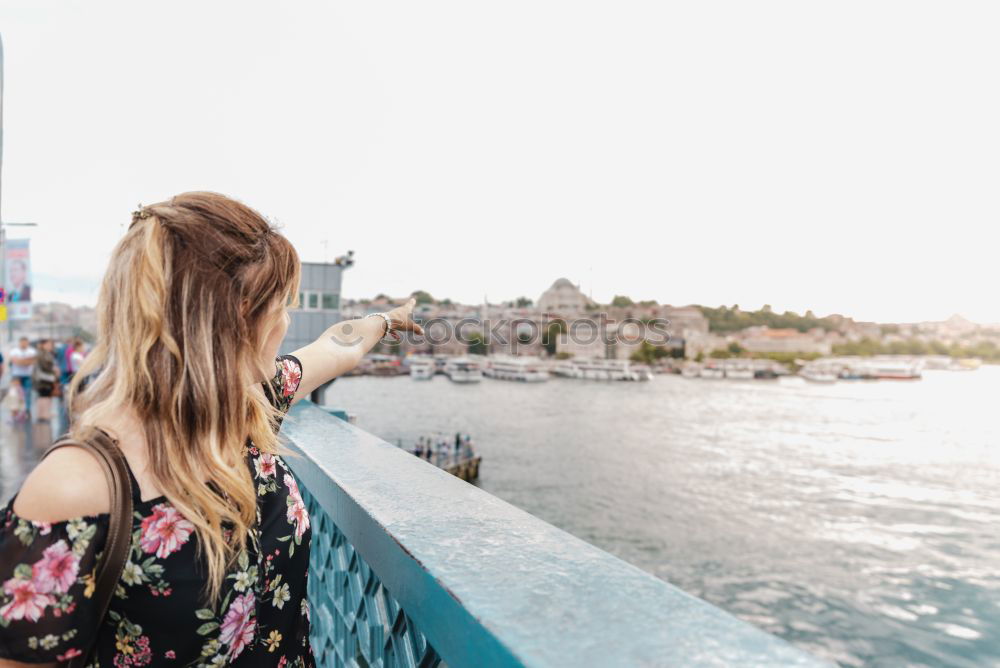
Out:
{"x": 355, "y": 621}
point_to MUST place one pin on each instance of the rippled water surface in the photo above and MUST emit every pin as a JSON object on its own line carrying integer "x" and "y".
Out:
{"x": 860, "y": 521}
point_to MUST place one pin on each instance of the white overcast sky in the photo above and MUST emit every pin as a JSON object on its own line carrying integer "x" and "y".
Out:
{"x": 838, "y": 156}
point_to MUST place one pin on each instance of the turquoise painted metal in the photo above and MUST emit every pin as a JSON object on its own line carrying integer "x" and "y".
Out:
{"x": 336, "y": 412}
{"x": 354, "y": 618}
{"x": 411, "y": 566}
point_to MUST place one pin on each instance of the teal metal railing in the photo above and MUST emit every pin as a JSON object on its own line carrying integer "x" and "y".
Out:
{"x": 411, "y": 566}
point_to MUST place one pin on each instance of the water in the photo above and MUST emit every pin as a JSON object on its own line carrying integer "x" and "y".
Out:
{"x": 857, "y": 520}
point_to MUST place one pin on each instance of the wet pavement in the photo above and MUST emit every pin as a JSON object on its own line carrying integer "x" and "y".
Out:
{"x": 21, "y": 446}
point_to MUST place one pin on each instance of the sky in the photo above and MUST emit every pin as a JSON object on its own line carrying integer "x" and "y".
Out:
{"x": 840, "y": 157}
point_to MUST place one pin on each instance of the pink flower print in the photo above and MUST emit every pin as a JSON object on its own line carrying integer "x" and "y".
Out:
{"x": 44, "y": 528}
{"x": 265, "y": 465}
{"x": 291, "y": 374}
{"x": 143, "y": 655}
{"x": 169, "y": 654}
{"x": 56, "y": 571}
{"x": 293, "y": 487}
{"x": 27, "y": 603}
{"x": 70, "y": 653}
{"x": 297, "y": 513}
{"x": 165, "y": 531}
{"x": 238, "y": 628}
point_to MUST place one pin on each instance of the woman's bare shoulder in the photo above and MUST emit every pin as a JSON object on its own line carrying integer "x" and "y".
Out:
{"x": 68, "y": 483}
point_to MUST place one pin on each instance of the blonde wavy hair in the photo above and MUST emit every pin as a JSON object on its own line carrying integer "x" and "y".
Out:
{"x": 190, "y": 294}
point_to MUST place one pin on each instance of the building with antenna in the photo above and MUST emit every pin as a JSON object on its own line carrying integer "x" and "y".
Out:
{"x": 319, "y": 301}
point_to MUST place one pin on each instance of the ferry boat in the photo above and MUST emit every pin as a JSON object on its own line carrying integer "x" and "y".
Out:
{"x": 818, "y": 375}
{"x": 565, "y": 369}
{"x": 526, "y": 369}
{"x": 734, "y": 369}
{"x": 463, "y": 370}
{"x": 691, "y": 370}
{"x": 422, "y": 367}
{"x": 598, "y": 369}
{"x": 384, "y": 365}
{"x": 642, "y": 372}
{"x": 937, "y": 362}
{"x": 711, "y": 372}
{"x": 738, "y": 371}
{"x": 894, "y": 370}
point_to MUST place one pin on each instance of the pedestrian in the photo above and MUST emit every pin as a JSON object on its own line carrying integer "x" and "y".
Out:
{"x": 61, "y": 354}
{"x": 76, "y": 353}
{"x": 45, "y": 379}
{"x": 189, "y": 390}
{"x": 22, "y": 365}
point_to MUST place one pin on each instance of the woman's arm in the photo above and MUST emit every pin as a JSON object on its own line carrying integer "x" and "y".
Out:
{"x": 342, "y": 346}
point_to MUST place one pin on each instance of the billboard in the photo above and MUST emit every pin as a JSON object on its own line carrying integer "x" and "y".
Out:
{"x": 17, "y": 278}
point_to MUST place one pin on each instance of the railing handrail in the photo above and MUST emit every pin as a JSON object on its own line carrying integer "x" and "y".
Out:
{"x": 492, "y": 585}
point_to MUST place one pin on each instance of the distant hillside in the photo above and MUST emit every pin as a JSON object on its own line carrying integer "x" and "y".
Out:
{"x": 731, "y": 319}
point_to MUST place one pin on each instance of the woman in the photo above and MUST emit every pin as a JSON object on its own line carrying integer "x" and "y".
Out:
{"x": 74, "y": 360}
{"x": 44, "y": 378}
{"x": 191, "y": 313}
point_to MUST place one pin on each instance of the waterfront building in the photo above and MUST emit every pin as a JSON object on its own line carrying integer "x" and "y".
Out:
{"x": 685, "y": 321}
{"x": 516, "y": 335}
{"x": 703, "y": 343}
{"x": 583, "y": 338}
{"x": 767, "y": 340}
{"x": 563, "y": 298}
{"x": 856, "y": 331}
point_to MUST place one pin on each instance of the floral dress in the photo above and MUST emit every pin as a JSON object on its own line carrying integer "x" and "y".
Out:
{"x": 156, "y": 616}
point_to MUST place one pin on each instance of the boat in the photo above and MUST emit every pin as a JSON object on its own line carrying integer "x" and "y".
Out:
{"x": 738, "y": 371}
{"x": 642, "y": 372}
{"x": 565, "y": 369}
{"x": 938, "y": 362}
{"x": 384, "y": 365}
{"x": 422, "y": 367}
{"x": 691, "y": 370}
{"x": 526, "y": 369}
{"x": 894, "y": 370}
{"x": 463, "y": 370}
{"x": 711, "y": 372}
{"x": 818, "y": 374}
{"x": 604, "y": 369}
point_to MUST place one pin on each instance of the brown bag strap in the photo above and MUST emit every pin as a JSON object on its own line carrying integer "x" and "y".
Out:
{"x": 119, "y": 539}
